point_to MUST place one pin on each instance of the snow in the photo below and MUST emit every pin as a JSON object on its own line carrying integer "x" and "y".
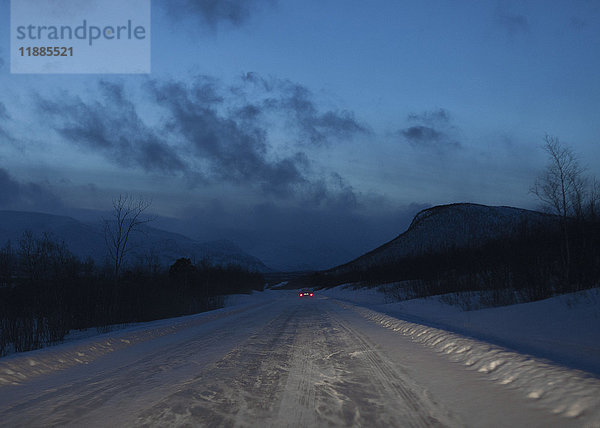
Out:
{"x": 84, "y": 347}
{"x": 344, "y": 357}
{"x": 566, "y": 328}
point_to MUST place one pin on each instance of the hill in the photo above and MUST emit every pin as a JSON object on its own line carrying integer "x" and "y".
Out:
{"x": 461, "y": 225}
{"x": 87, "y": 240}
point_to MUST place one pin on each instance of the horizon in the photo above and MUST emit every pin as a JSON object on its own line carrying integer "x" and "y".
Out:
{"x": 96, "y": 218}
{"x": 309, "y": 134}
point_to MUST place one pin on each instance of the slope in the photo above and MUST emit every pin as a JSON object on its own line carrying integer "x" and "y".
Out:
{"x": 451, "y": 226}
{"x": 87, "y": 240}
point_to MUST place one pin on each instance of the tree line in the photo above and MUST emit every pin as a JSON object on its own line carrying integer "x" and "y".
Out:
{"x": 523, "y": 267}
{"x": 46, "y": 291}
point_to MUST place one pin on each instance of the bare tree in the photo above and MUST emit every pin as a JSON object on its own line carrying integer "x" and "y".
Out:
{"x": 561, "y": 186}
{"x": 127, "y": 218}
{"x": 593, "y": 200}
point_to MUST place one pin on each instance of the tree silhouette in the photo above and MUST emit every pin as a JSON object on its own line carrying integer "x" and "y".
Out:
{"x": 561, "y": 187}
{"x": 126, "y": 219}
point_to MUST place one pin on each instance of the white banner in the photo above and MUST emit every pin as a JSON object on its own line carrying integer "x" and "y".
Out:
{"x": 80, "y": 36}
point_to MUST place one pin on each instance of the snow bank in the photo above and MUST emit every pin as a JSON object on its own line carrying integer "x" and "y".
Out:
{"x": 18, "y": 368}
{"x": 563, "y": 391}
{"x": 564, "y": 329}
{"x": 361, "y": 296}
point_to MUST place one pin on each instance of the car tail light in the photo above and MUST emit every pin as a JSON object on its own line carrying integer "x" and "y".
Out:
{"x": 310, "y": 294}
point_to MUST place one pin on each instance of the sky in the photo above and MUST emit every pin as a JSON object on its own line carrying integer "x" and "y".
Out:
{"x": 309, "y": 132}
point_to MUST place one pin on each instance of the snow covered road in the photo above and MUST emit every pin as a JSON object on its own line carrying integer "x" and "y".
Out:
{"x": 278, "y": 361}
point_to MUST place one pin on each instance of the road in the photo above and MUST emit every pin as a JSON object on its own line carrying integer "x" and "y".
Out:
{"x": 282, "y": 362}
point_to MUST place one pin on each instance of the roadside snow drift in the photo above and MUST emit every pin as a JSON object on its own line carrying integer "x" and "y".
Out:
{"x": 15, "y": 369}
{"x": 563, "y": 391}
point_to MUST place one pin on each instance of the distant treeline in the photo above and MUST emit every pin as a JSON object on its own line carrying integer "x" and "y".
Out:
{"x": 46, "y": 291}
{"x": 526, "y": 266}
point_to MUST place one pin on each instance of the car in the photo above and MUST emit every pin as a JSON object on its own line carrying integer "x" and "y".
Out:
{"x": 306, "y": 293}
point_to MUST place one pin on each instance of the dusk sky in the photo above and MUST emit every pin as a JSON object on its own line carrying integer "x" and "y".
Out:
{"x": 309, "y": 132}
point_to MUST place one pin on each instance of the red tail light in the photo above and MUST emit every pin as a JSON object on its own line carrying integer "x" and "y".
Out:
{"x": 310, "y": 294}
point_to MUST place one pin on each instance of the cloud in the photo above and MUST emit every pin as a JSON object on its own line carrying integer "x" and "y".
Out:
{"x": 213, "y": 13}
{"x": 433, "y": 117}
{"x": 16, "y": 195}
{"x": 3, "y": 112}
{"x": 205, "y": 135}
{"x": 266, "y": 85}
{"x": 9, "y": 188}
{"x": 331, "y": 192}
{"x": 431, "y": 130}
{"x": 422, "y": 135}
{"x": 227, "y": 129}
{"x": 232, "y": 152}
{"x": 314, "y": 126}
{"x": 4, "y": 117}
{"x": 111, "y": 125}
{"x": 513, "y": 23}
{"x": 298, "y": 103}
{"x": 577, "y": 23}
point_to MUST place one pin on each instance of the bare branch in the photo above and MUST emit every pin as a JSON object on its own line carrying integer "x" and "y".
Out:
{"x": 127, "y": 219}
{"x": 561, "y": 187}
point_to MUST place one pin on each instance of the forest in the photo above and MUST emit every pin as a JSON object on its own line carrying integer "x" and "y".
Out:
{"x": 46, "y": 291}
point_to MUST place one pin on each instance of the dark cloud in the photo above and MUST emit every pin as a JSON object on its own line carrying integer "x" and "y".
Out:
{"x": 330, "y": 192}
{"x": 577, "y": 23}
{"x": 4, "y": 117}
{"x": 298, "y": 103}
{"x": 511, "y": 22}
{"x": 212, "y": 13}
{"x": 235, "y": 153}
{"x": 266, "y": 85}
{"x": 112, "y": 126}
{"x": 432, "y": 130}
{"x": 248, "y": 112}
{"x": 15, "y": 195}
{"x": 315, "y": 126}
{"x": 433, "y": 117}
{"x": 207, "y": 133}
{"x": 235, "y": 139}
{"x": 423, "y": 135}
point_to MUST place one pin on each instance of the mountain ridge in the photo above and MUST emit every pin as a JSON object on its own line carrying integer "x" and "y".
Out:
{"x": 473, "y": 224}
{"x": 86, "y": 239}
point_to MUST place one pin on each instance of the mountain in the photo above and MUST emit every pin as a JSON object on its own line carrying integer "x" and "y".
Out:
{"x": 87, "y": 240}
{"x": 451, "y": 226}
